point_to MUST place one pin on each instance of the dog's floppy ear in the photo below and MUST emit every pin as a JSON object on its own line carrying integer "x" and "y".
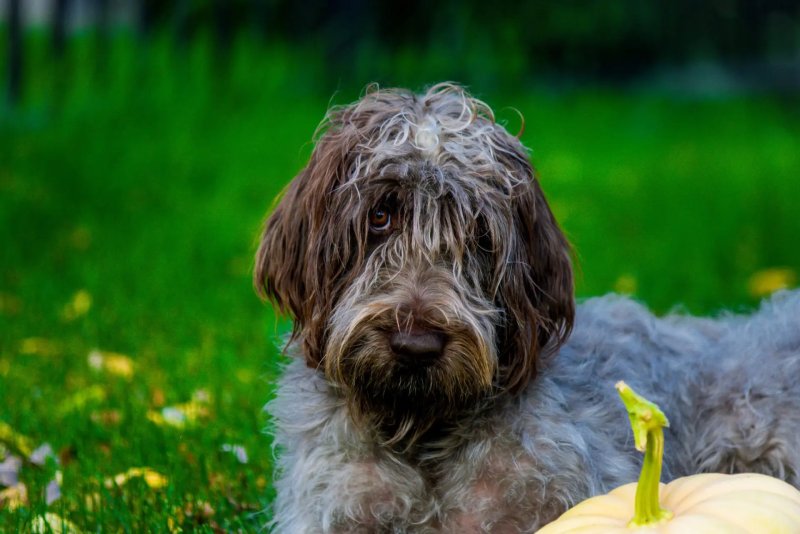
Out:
{"x": 294, "y": 257}
{"x": 281, "y": 257}
{"x": 537, "y": 287}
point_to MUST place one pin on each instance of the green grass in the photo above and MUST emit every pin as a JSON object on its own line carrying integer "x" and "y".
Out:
{"x": 145, "y": 186}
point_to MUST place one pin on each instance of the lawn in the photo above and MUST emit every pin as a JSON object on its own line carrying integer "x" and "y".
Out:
{"x": 130, "y": 337}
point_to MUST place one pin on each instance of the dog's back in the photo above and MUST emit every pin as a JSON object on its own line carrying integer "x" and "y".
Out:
{"x": 730, "y": 386}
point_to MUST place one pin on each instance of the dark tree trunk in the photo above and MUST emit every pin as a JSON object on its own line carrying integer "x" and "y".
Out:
{"x": 223, "y": 38}
{"x": 341, "y": 46}
{"x": 147, "y": 18}
{"x": 223, "y": 25}
{"x": 102, "y": 20}
{"x": 15, "y": 53}
{"x": 60, "y": 70}
{"x": 181, "y": 24}
{"x": 58, "y": 33}
{"x": 261, "y": 18}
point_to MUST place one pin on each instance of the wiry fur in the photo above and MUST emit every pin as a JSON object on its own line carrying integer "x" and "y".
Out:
{"x": 510, "y": 425}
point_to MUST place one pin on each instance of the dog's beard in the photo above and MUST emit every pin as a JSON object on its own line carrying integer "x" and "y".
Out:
{"x": 403, "y": 399}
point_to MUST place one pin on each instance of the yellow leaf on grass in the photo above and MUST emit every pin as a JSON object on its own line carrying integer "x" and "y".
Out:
{"x": 151, "y": 477}
{"x": 245, "y": 376}
{"x": 767, "y": 281}
{"x": 78, "y": 306}
{"x": 39, "y": 346}
{"x": 119, "y": 365}
{"x": 626, "y": 284}
{"x": 181, "y": 415}
{"x": 13, "y": 497}
{"x": 112, "y": 363}
{"x": 53, "y": 524}
{"x": 15, "y": 441}
{"x": 154, "y": 479}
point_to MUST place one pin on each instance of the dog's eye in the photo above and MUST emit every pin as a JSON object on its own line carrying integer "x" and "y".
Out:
{"x": 380, "y": 219}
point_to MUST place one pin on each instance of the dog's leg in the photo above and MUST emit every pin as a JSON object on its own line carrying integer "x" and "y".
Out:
{"x": 330, "y": 477}
{"x": 331, "y": 494}
{"x": 495, "y": 485}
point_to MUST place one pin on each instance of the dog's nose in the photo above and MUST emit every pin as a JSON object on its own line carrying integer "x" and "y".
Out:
{"x": 417, "y": 347}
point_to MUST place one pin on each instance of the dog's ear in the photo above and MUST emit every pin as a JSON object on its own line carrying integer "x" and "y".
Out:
{"x": 281, "y": 257}
{"x": 537, "y": 287}
{"x": 294, "y": 257}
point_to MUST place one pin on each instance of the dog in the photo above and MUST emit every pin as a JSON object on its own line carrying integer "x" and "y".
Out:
{"x": 442, "y": 378}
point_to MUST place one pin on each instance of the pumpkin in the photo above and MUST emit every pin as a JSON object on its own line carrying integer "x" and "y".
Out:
{"x": 702, "y": 504}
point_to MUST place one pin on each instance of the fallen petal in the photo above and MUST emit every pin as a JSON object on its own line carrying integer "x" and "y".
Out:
{"x": 9, "y": 470}
{"x": 238, "y": 450}
{"x": 53, "y": 490}
{"x": 173, "y": 416}
{"x": 41, "y": 454}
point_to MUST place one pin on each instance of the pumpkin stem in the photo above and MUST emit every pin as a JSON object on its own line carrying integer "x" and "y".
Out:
{"x": 647, "y": 422}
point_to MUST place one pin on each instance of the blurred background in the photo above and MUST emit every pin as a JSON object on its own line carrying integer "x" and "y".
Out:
{"x": 142, "y": 142}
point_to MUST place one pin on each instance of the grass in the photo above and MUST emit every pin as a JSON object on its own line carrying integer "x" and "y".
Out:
{"x": 129, "y": 208}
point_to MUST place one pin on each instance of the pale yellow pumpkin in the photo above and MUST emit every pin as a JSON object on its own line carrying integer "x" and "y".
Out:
{"x": 699, "y": 504}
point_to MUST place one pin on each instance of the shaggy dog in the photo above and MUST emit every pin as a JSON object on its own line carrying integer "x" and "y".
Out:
{"x": 444, "y": 380}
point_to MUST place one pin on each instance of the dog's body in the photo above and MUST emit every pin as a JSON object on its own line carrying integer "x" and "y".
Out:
{"x": 730, "y": 388}
{"x": 437, "y": 387}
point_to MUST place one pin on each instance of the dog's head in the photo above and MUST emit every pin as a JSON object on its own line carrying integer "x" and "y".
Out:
{"x": 418, "y": 257}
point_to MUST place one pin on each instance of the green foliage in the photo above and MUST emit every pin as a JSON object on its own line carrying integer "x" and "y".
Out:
{"x": 144, "y": 183}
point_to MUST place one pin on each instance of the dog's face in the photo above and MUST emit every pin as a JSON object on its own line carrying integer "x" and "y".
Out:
{"x": 418, "y": 257}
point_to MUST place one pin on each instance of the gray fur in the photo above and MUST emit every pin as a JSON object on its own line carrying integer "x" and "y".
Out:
{"x": 729, "y": 387}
